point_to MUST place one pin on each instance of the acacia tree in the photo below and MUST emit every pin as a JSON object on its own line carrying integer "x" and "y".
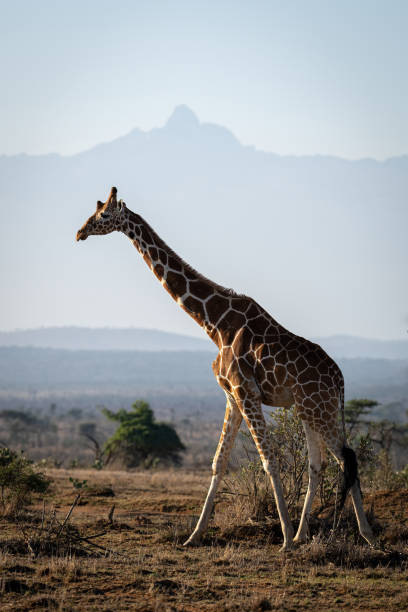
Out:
{"x": 140, "y": 439}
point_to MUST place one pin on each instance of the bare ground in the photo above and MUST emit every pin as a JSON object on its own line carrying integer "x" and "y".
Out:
{"x": 139, "y": 562}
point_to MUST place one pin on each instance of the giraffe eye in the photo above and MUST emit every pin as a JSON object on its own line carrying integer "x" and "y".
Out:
{"x": 104, "y": 215}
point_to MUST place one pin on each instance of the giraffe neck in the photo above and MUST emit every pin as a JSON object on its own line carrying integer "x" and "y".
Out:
{"x": 205, "y": 301}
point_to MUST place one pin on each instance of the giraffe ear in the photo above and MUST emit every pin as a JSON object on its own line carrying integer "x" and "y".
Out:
{"x": 99, "y": 205}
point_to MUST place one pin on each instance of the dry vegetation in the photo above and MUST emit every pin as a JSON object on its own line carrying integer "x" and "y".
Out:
{"x": 138, "y": 563}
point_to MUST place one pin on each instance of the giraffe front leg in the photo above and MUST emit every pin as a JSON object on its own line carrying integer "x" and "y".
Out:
{"x": 315, "y": 464}
{"x": 232, "y": 422}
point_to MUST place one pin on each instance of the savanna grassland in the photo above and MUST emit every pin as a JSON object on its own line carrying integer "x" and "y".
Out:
{"x": 137, "y": 561}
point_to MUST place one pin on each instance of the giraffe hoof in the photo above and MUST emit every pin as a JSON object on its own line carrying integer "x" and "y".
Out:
{"x": 297, "y": 541}
{"x": 287, "y": 547}
{"x": 369, "y": 538}
{"x": 193, "y": 540}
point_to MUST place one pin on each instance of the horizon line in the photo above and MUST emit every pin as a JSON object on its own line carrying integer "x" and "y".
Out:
{"x": 155, "y": 329}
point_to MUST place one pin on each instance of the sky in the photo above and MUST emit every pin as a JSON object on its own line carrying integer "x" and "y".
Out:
{"x": 292, "y": 77}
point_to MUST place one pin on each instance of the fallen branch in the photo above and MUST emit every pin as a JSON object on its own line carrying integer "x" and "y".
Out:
{"x": 54, "y": 537}
{"x": 76, "y": 500}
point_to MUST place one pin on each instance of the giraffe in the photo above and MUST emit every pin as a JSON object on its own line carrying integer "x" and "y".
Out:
{"x": 259, "y": 362}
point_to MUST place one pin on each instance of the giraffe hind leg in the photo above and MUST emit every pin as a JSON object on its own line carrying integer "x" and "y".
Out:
{"x": 363, "y": 525}
{"x": 314, "y": 444}
{"x": 347, "y": 460}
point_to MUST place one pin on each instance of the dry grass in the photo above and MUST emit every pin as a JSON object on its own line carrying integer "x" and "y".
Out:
{"x": 143, "y": 565}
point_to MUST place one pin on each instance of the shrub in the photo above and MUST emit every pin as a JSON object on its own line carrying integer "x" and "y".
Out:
{"x": 78, "y": 484}
{"x": 289, "y": 445}
{"x": 19, "y": 479}
{"x": 249, "y": 493}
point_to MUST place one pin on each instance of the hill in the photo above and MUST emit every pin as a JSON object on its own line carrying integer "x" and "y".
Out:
{"x": 319, "y": 241}
{"x": 133, "y": 339}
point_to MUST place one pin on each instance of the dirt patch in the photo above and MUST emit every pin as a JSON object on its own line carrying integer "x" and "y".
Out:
{"x": 388, "y": 504}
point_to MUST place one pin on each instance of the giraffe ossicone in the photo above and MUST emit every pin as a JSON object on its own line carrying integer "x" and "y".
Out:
{"x": 259, "y": 362}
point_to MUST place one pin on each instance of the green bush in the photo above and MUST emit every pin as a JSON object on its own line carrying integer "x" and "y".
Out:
{"x": 19, "y": 479}
{"x": 140, "y": 440}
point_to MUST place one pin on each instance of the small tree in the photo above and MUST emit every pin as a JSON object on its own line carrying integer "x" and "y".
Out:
{"x": 140, "y": 439}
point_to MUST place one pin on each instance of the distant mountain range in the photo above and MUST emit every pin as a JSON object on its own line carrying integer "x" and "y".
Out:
{"x": 132, "y": 339}
{"x": 319, "y": 241}
{"x": 352, "y": 347}
{"x": 35, "y": 377}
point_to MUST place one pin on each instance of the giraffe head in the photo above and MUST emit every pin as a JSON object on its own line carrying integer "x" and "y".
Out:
{"x": 107, "y": 218}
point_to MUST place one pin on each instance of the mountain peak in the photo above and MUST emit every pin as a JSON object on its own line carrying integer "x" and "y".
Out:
{"x": 182, "y": 116}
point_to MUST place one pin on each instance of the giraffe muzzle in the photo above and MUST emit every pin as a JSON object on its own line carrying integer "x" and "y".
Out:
{"x": 81, "y": 235}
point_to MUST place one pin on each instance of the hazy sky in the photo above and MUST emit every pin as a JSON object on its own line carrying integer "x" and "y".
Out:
{"x": 293, "y": 77}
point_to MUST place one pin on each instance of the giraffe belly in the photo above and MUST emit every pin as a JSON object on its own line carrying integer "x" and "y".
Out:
{"x": 279, "y": 397}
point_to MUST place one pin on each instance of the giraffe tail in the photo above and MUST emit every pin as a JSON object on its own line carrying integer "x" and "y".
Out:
{"x": 341, "y": 401}
{"x": 350, "y": 473}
